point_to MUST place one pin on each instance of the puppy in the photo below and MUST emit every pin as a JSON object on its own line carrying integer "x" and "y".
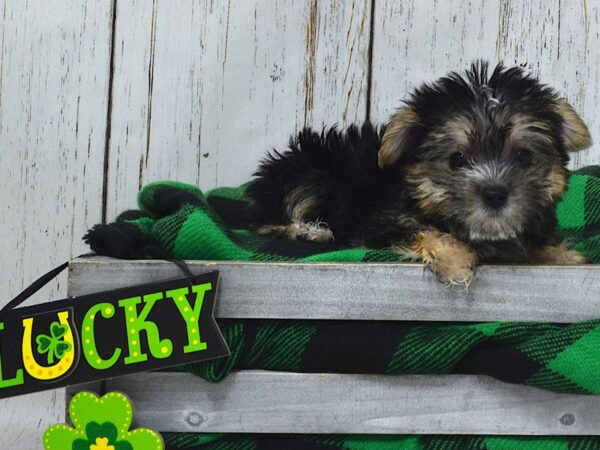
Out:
{"x": 469, "y": 170}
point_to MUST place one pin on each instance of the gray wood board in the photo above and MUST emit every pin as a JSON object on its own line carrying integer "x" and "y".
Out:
{"x": 277, "y": 402}
{"x": 368, "y": 291}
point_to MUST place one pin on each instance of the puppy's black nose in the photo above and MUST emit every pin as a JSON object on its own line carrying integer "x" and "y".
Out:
{"x": 495, "y": 196}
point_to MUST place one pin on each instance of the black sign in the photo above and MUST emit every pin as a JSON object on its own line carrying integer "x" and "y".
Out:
{"x": 107, "y": 334}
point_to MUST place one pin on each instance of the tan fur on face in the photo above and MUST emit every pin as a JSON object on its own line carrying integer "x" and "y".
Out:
{"x": 396, "y": 136}
{"x": 575, "y": 132}
{"x": 557, "y": 182}
{"x": 525, "y": 128}
{"x": 429, "y": 198}
{"x": 458, "y": 129}
{"x": 451, "y": 260}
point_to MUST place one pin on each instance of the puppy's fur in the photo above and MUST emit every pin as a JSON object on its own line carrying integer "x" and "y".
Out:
{"x": 469, "y": 170}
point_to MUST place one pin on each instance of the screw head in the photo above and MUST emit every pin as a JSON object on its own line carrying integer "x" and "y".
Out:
{"x": 194, "y": 419}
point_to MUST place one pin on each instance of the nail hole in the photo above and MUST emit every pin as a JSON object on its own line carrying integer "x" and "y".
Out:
{"x": 567, "y": 419}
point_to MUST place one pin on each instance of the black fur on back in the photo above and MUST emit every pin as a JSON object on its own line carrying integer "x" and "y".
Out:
{"x": 338, "y": 168}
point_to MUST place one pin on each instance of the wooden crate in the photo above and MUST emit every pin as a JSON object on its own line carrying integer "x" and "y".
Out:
{"x": 276, "y": 402}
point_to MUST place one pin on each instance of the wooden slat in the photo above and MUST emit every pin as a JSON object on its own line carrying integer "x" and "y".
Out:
{"x": 203, "y": 89}
{"x": 368, "y": 291}
{"x": 277, "y": 402}
{"x": 54, "y": 77}
{"x": 421, "y": 40}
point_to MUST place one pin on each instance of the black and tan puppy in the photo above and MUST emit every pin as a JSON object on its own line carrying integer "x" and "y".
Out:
{"x": 469, "y": 170}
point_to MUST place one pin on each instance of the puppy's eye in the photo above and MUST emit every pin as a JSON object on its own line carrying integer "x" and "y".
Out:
{"x": 458, "y": 160}
{"x": 523, "y": 156}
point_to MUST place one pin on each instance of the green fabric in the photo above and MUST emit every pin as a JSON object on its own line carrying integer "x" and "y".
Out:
{"x": 376, "y": 442}
{"x": 563, "y": 358}
{"x": 199, "y": 232}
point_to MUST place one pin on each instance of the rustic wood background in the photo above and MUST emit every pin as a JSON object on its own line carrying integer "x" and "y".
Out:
{"x": 98, "y": 97}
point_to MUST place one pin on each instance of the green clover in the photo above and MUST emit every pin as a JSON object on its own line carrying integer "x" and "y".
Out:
{"x": 101, "y": 423}
{"x": 54, "y": 344}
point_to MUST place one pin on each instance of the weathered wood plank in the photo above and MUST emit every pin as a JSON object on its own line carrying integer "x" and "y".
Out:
{"x": 368, "y": 291}
{"x": 417, "y": 41}
{"x": 203, "y": 89}
{"x": 54, "y": 74}
{"x": 277, "y": 402}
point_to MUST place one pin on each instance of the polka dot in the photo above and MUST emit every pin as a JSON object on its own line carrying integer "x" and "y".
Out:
{"x": 91, "y": 352}
{"x": 132, "y": 331}
{"x": 98, "y": 361}
{"x": 192, "y": 319}
{"x": 87, "y": 328}
{"x": 135, "y": 354}
{"x": 108, "y": 310}
{"x": 195, "y": 342}
{"x": 194, "y": 330}
{"x": 92, "y": 317}
{"x": 180, "y": 299}
{"x": 164, "y": 349}
{"x": 134, "y": 342}
{"x": 87, "y": 341}
{"x": 186, "y": 309}
{"x": 130, "y": 308}
{"x": 131, "y": 319}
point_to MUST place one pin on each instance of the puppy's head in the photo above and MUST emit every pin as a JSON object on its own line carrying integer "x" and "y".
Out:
{"x": 486, "y": 155}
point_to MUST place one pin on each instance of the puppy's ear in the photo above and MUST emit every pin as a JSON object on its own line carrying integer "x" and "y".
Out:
{"x": 575, "y": 132}
{"x": 398, "y": 136}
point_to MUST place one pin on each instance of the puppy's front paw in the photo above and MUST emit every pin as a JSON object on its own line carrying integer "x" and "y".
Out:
{"x": 452, "y": 261}
{"x": 455, "y": 266}
{"x": 559, "y": 254}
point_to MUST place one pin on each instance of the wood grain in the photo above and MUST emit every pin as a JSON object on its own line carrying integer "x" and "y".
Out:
{"x": 203, "y": 89}
{"x": 277, "y": 402}
{"x": 416, "y": 41}
{"x": 53, "y": 97}
{"x": 368, "y": 291}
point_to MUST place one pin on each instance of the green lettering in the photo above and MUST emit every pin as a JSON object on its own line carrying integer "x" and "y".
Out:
{"x": 190, "y": 315}
{"x": 159, "y": 348}
{"x": 17, "y": 380}
{"x": 88, "y": 340}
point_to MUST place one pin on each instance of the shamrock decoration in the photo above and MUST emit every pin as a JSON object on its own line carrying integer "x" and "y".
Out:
{"x": 54, "y": 344}
{"x": 101, "y": 423}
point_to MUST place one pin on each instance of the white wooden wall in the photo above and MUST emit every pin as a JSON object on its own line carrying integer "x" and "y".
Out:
{"x": 98, "y": 97}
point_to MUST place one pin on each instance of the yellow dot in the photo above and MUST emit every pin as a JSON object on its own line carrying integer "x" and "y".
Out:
{"x": 87, "y": 328}
{"x": 135, "y": 354}
{"x": 130, "y": 308}
{"x": 87, "y": 341}
{"x": 91, "y": 352}
{"x": 91, "y": 317}
{"x": 108, "y": 310}
{"x": 194, "y": 330}
{"x": 192, "y": 319}
{"x": 195, "y": 342}
{"x": 132, "y": 320}
{"x": 134, "y": 342}
{"x": 164, "y": 349}
{"x": 180, "y": 299}
{"x": 186, "y": 309}
{"x": 132, "y": 331}
{"x": 98, "y": 361}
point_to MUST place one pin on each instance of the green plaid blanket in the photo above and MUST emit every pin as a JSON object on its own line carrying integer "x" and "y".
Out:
{"x": 180, "y": 441}
{"x": 176, "y": 220}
